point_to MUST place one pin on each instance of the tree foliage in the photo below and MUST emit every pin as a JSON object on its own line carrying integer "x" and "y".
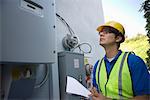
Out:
{"x": 146, "y": 8}
{"x": 137, "y": 44}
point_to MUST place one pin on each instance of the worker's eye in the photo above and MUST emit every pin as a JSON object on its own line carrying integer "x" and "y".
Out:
{"x": 104, "y": 32}
{"x": 107, "y": 31}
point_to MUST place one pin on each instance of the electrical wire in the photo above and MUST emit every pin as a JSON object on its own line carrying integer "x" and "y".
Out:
{"x": 64, "y": 22}
{"x": 72, "y": 33}
{"x": 79, "y": 46}
{"x": 40, "y": 84}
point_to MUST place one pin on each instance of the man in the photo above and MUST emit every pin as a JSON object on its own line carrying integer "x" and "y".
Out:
{"x": 118, "y": 75}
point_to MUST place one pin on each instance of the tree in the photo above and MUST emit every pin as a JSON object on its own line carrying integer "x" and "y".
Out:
{"x": 146, "y": 8}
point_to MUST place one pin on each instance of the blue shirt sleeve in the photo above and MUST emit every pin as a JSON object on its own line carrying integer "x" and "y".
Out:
{"x": 94, "y": 76}
{"x": 139, "y": 75}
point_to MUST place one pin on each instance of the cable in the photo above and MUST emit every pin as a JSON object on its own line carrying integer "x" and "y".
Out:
{"x": 79, "y": 46}
{"x": 64, "y": 22}
{"x": 71, "y": 42}
{"x": 40, "y": 84}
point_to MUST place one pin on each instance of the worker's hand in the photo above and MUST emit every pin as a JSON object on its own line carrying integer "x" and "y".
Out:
{"x": 95, "y": 95}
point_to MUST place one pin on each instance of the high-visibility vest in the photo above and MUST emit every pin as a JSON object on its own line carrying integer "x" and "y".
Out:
{"x": 119, "y": 83}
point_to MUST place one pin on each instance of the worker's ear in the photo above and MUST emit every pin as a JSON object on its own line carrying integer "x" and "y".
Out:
{"x": 118, "y": 38}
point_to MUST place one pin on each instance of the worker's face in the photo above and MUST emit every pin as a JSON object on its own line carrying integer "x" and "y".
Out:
{"x": 107, "y": 38}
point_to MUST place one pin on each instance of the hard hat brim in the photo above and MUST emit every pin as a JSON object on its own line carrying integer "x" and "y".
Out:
{"x": 100, "y": 28}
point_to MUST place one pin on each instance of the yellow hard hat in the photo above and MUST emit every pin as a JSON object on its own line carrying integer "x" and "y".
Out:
{"x": 112, "y": 24}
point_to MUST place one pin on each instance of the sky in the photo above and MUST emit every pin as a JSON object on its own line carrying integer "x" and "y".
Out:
{"x": 127, "y": 13}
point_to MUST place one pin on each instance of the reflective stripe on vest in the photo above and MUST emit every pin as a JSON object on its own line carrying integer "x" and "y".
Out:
{"x": 119, "y": 84}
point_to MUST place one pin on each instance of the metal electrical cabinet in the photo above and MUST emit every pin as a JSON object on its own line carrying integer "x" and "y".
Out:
{"x": 28, "y": 31}
{"x": 70, "y": 64}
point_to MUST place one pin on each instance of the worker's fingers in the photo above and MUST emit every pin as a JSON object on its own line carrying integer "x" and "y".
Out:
{"x": 94, "y": 89}
{"x": 94, "y": 92}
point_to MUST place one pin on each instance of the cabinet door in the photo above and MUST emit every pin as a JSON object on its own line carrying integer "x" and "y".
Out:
{"x": 28, "y": 31}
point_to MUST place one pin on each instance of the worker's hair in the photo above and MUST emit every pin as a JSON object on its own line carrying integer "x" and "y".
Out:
{"x": 117, "y": 33}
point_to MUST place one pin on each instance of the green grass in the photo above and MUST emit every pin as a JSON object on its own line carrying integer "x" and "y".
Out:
{"x": 139, "y": 45}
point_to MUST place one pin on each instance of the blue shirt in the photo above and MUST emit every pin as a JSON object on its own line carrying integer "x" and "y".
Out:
{"x": 139, "y": 73}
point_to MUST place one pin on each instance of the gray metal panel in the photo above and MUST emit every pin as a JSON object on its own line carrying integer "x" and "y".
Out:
{"x": 67, "y": 66}
{"x": 28, "y": 35}
{"x": 54, "y": 82}
{"x": 21, "y": 89}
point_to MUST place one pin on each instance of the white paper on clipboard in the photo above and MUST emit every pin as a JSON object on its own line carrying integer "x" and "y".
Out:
{"x": 75, "y": 87}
